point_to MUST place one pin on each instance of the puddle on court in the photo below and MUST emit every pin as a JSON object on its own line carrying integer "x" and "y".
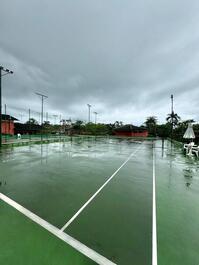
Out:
{"x": 178, "y": 206}
{"x": 55, "y": 180}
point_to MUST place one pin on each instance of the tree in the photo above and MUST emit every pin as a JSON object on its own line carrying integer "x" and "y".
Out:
{"x": 151, "y": 124}
{"x": 32, "y": 121}
{"x": 164, "y": 130}
{"x": 118, "y": 124}
{"x": 180, "y": 129}
{"x": 78, "y": 124}
{"x": 46, "y": 123}
{"x": 173, "y": 118}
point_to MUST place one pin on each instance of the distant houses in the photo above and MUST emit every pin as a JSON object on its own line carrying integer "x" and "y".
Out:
{"x": 7, "y": 124}
{"x": 131, "y": 131}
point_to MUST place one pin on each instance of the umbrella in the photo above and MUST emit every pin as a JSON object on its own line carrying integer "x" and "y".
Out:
{"x": 189, "y": 134}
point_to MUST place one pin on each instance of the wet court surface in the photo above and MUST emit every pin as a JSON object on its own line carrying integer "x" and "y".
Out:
{"x": 54, "y": 181}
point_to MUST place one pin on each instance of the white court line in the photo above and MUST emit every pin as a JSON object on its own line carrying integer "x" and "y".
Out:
{"x": 90, "y": 253}
{"x": 154, "y": 228}
{"x": 97, "y": 192}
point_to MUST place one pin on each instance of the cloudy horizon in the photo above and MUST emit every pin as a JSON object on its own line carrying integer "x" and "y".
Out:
{"x": 125, "y": 58}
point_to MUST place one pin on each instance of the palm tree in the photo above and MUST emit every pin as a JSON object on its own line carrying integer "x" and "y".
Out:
{"x": 118, "y": 124}
{"x": 32, "y": 121}
{"x": 151, "y": 120}
{"x": 151, "y": 124}
{"x": 173, "y": 118}
{"x": 78, "y": 124}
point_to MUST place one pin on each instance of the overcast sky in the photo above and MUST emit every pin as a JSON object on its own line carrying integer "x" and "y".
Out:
{"x": 123, "y": 57}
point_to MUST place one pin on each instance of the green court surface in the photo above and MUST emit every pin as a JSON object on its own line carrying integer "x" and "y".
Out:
{"x": 92, "y": 200}
{"x": 24, "y": 242}
{"x": 177, "y": 185}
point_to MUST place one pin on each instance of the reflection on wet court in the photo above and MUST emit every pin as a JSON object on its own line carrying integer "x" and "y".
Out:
{"x": 98, "y": 191}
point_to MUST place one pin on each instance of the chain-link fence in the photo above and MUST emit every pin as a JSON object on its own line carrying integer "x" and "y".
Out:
{"x": 22, "y": 124}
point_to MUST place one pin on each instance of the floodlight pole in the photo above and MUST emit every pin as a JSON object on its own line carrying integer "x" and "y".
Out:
{"x": 29, "y": 122}
{"x": 0, "y": 109}
{"x": 95, "y": 117}
{"x": 89, "y": 112}
{"x": 7, "y": 71}
{"x": 171, "y": 103}
{"x": 42, "y": 109}
{"x": 42, "y": 105}
{"x": 172, "y": 112}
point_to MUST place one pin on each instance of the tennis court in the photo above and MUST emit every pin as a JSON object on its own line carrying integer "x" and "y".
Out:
{"x": 91, "y": 201}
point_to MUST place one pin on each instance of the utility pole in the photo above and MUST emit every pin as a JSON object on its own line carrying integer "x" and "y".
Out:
{"x": 42, "y": 106}
{"x": 6, "y": 71}
{"x": 29, "y": 122}
{"x": 0, "y": 109}
{"x": 60, "y": 129}
{"x": 172, "y": 112}
{"x": 95, "y": 117}
{"x": 89, "y": 113}
{"x": 171, "y": 103}
{"x": 42, "y": 109}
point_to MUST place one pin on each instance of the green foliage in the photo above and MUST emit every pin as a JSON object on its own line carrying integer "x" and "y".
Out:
{"x": 151, "y": 124}
{"x": 118, "y": 124}
{"x": 32, "y": 121}
{"x": 96, "y": 129}
{"x": 164, "y": 130}
{"x": 78, "y": 125}
{"x": 173, "y": 118}
{"x": 46, "y": 123}
{"x": 181, "y": 128}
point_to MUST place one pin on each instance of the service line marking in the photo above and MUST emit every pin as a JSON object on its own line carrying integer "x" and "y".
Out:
{"x": 98, "y": 191}
{"x": 90, "y": 253}
{"x": 154, "y": 228}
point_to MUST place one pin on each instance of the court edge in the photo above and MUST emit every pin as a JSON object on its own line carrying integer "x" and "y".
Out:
{"x": 154, "y": 223}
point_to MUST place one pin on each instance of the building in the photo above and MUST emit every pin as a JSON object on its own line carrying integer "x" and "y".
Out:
{"x": 7, "y": 125}
{"x": 131, "y": 131}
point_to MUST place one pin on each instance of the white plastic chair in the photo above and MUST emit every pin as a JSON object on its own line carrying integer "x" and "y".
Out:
{"x": 195, "y": 150}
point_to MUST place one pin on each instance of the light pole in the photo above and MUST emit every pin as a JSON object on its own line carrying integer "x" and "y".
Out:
{"x": 89, "y": 112}
{"x": 95, "y": 117}
{"x": 172, "y": 103}
{"x": 42, "y": 105}
{"x": 172, "y": 112}
{"x": 42, "y": 110}
{"x": 3, "y": 72}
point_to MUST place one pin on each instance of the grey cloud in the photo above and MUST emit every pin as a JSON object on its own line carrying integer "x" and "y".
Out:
{"x": 123, "y": 57}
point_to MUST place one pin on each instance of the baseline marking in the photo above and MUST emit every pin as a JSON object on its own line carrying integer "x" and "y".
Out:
{"x": 97, "y": 192}
{"x": 154, "y": 228}
{"x": 90, "y": 253}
